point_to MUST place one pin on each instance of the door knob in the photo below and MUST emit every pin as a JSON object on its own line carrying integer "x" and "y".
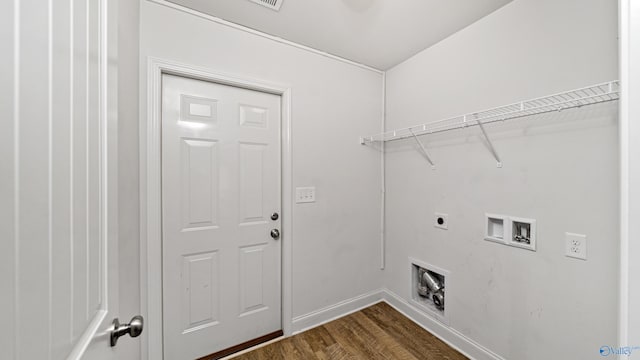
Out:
{"x": 275, "y": 233}
{"x": 133, "y": 328}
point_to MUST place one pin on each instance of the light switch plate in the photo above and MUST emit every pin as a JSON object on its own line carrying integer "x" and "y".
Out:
{"x": 305, "y": 194}
{"x": 576, "y": 246}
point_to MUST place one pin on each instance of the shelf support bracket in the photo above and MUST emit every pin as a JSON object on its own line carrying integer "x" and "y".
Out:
{"x": 424, "y": 151}
{"x": 491, "y": 148}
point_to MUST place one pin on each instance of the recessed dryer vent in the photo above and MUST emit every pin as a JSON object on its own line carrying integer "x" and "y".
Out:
{"x": 428, "y": 289}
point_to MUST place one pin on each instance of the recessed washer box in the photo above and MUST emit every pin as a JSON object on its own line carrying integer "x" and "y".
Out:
{"x": 511, "y": 230}
{"x": 523, "y": 233}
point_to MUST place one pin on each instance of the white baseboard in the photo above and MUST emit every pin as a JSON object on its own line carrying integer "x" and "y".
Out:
{"x": 453, "y": 338}
{"x": 335, "y": 311}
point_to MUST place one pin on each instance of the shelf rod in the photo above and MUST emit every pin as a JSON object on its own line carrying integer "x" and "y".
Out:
{"x": 491, "y": 148}
{"x": 605, "y": 92}
{"x": 498, "y": 117}
{"x": 424, "y": 151}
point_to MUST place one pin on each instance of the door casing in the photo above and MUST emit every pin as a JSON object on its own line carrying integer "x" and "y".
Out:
{"x": 151, "y": 192}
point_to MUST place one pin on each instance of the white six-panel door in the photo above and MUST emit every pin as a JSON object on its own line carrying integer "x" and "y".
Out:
{"x": 220, "y": 187}
{"x": 58, "y": 276}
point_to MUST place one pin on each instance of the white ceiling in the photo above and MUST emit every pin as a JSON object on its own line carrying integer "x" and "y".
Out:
{"x": 378, "y": 33}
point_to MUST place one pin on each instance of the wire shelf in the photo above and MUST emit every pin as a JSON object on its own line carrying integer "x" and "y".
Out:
{"x": 609, "y": 91}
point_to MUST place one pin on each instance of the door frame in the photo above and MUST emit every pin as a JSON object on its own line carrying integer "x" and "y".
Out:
{"x": 151, "y": 192}
{"x": 629, "y": 271}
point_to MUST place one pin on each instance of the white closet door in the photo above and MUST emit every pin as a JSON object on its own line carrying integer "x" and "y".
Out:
{"x": 220, "y": 187}
{"x": 57, "y": 249}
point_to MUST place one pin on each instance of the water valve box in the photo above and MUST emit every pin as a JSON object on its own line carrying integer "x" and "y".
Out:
{"x": 523, "y": 233}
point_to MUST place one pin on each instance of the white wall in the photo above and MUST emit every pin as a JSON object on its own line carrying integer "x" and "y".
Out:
{"x": 336, "y": 239}
{"x": 561, "y": 169}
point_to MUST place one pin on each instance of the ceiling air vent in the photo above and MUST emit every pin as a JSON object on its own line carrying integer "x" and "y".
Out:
{"x": 271, "y": 4}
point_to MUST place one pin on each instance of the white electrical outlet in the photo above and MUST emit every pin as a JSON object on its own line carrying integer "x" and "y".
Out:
{"x": 576, "y": 246}
{"x": 441, "y": 221}
{"x": 305, "y": 194}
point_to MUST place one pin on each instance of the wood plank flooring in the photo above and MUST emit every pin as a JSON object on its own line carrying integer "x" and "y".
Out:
{"x": 377, "y": 332}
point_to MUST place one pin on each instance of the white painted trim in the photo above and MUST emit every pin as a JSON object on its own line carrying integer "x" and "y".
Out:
{"x": 261, "y": 34}
{"x": 332, "y": 312}
{"x": 383, "y": 191}
{"x": 151, "y": 195}
{"x": 287, "y": 210}
{"x": 629, "y": 296}
{"x": 623, "y": 306}
{"x": 450, "y": 336}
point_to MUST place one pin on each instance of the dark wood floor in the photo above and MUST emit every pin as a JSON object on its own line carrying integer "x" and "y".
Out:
{"x": 377, "y": 332}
